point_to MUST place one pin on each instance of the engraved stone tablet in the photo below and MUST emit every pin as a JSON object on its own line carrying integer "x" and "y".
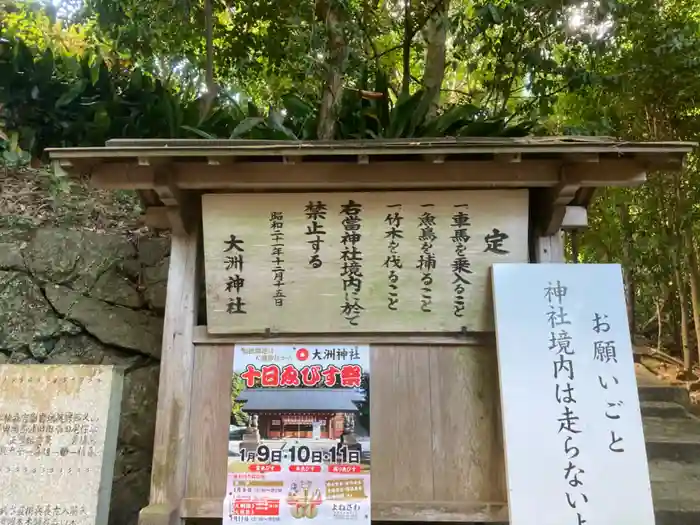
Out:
{"x": 58, "y": 440}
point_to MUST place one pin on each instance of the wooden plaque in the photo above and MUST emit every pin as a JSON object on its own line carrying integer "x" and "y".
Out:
{"x": 358, "y": 262}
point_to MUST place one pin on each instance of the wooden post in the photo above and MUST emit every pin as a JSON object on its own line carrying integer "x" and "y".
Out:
{"x": 168, "y": 476}
{"x": 550, "y": 249}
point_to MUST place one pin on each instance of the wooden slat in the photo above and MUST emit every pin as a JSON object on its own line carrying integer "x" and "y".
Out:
{"x": 434, "y": 511}
{"x": 437, "y": 511}
{"x": 434, "y": 146}
{"x": 170, "y": 451}
{"x": 402, "y": 467}
{"x": 467, "y": 451}
{"x": 202, "y": 337}
{"x": 209, "y": 422}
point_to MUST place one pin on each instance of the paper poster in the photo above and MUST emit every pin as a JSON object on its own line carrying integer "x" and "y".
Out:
{"x": 299, "y": 445}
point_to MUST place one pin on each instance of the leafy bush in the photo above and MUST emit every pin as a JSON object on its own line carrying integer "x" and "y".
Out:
{"x": 64, "y": 99}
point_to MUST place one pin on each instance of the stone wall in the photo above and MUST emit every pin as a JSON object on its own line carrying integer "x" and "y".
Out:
{"x": 78, "y": 297}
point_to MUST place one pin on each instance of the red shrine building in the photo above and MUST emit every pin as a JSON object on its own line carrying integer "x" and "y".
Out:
{"x": 300, "y": 412}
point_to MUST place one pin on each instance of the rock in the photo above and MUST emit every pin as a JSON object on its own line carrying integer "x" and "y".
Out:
{"x": 68, "y": 297}
{"x": 41, "y": 349}
{"x": 158, "y": 273}
{"x": 139, "y": 402}
{"x": 85, "y": 350}
{"x": 75, "y": 258}
{"x": 153, "y": 250}
{"x": 112, "y": 325}
{"x": 131, "y": 268}
{"x": 129, "y": 496}
{"x": 11, "y": 256}
{"x": 156, "y": 283}
{"x": 116, "y": 289}
{"x": 155, "y": 296}
{"x": 21, "y": 357}
{"x": 25, "y": 315}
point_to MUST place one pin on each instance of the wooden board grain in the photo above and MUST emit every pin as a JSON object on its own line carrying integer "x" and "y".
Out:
{"x": 353, "y": 290}
{"x": 209, "y": 420}
{"x": 437, "y": 452}
{"x": 402, "y": 467}
{"x": 170, "y": 452}
{"x": 467, "y": 446}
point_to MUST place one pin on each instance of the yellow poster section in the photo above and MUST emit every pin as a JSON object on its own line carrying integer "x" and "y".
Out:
{"x": 389, "y": 261}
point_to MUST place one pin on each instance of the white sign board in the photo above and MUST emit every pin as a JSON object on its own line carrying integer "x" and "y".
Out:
{"x": 575, "y": 450}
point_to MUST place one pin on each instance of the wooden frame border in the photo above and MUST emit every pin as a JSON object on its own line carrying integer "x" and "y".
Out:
{"x": 170, "y": 447}
{"x": 202, "y": 337}
{"x": 434, "y": 511}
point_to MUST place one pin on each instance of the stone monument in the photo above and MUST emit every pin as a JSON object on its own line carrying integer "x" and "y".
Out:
{"x": 251, "y": 435}
{"x": 348, "y": 437}
{"x": 58, "y": 440}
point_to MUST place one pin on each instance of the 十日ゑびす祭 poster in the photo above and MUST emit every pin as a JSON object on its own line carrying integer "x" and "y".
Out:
{"x": 299, "y": 443}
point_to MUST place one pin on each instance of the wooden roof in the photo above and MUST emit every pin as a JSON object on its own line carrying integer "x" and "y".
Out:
{"x": 400, "y": 149}
{"x": 169, "y": 173}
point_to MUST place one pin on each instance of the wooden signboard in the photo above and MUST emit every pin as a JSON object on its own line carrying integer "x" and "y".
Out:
{"x": 358, "y": 262}
{"x": 574, "y": 444}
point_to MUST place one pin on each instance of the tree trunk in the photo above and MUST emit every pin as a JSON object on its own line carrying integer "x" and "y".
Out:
{"x": 406, "y": 49}
{"x": 327, "y": 13}
{"x": 659, "y": 328}
{"x": 435, "y": 35}
{"x": 628, "y": 273}
{"x": 694, "y": 285}
{"x": 683, "y": 299}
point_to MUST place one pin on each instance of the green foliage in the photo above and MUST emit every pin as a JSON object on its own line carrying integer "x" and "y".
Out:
{"x": 11, "y": 155}
{"x": 63, "y": 100}
{"x": 647, "y": 88}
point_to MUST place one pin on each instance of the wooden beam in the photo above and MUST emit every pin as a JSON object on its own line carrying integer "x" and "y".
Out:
{"x": 550, "y": 248}
{"x": 621, "y": 172}
{"x": 575, "y": 218}
{"x": 661, "y": 162}
{"x": 582, "y": 158}
{"x": 434, "y": 159}
{"x": 380, "y": 175}
{"x": 173, "y": 199}
{"x": 171, "y": 442}
{"x": 557, "y": 199}
{"x": 508, "y": 157}
{"x": 202, "y": 337}
{"x": 429, "y": 511}
{"x": 166, "y": 187}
